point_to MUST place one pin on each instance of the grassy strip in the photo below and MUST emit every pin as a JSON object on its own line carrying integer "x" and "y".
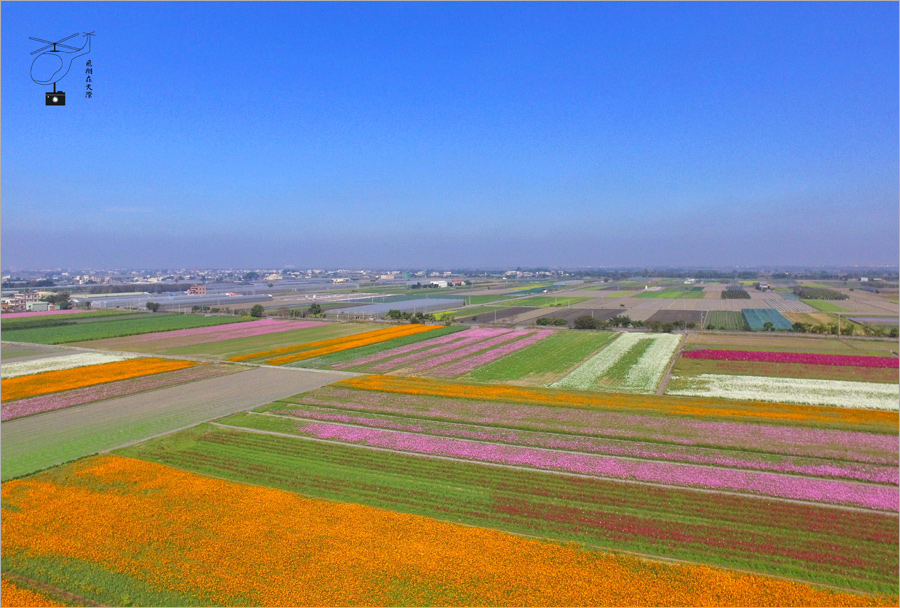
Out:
{"x": 544, "y": 361}
{"x": 114, "y": 328}
{"x": 55, "y": 320}
{"x": 549, "y": 301}
{"x": 327, "y": 361}
{"x": 824, "y": 305}
{"x": 478, "y": 310}
{"x": 831, "y": 546}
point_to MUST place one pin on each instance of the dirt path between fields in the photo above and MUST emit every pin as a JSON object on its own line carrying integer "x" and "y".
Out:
{"x": 75, "y": 600}
{"x": 668, "y": 376}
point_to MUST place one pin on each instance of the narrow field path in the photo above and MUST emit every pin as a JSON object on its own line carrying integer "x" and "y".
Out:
{"x": 664, "y": 384}
{"x": 554, "y": 472}
{"x": 75, "y": 600}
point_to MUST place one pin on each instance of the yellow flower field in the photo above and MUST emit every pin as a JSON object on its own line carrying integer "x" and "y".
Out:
{"x": 66, "y": 379}
{"x": 13, "y": 595}
{"x": 228, "y": 543}
{"x": 323, "y": 347}
{"x": 660, "y": 404}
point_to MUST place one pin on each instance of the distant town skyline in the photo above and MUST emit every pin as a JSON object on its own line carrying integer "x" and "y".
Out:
{"x": 454, "y": 136}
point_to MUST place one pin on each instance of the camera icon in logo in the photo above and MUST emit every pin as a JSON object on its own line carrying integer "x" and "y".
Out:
{"x": 57, "y": 98}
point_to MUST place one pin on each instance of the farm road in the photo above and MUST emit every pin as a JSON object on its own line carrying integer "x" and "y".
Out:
{"x": 36, "y": 442}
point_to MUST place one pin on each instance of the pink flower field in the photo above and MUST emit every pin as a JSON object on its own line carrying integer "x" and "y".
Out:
{"x": 216, "y": 333}
{"x": 808, "y": 358}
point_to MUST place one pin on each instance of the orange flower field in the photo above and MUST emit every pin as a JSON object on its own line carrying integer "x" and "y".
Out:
{"x": 63, "y": 380}
{"x": 13, "y": 595}
{"x": 323, "y": 347}
{"x": 681, "y": 406}
{"x": 213, "y": 541}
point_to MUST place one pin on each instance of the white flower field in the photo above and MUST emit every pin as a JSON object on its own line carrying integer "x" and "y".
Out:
{"x": 869, "y": 395}
{"x": 633, "y": 363}
{"x": 52, "y": 364}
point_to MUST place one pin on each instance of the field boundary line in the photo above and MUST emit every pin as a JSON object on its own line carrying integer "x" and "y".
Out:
{"x": 552, "y": 472}
{"x": 75, "y": 599}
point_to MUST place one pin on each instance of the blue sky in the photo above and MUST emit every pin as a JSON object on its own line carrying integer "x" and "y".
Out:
{"x": 451, "y": 135}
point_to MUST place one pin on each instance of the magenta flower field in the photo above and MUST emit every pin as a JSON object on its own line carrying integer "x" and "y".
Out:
{"x": 871, "y": 496}
{"x": 778, "y": 357}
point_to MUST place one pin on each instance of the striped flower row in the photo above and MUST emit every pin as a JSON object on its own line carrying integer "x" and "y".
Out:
{"x": 808, "y": 358}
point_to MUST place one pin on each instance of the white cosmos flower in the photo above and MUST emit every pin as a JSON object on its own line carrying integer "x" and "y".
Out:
{"x": 52, "y": 364}
{"x": 838, "y": 393}
{"x": 644, "y": 375}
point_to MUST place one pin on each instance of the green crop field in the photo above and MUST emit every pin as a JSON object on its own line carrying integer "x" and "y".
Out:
{"x": 614, "y": 515}
{"x": 727, "y": 320}
{"x": 618, "y": 294}
{"x": 549, "y": 301}
{"x": 254, "y": 344}
{"x": 114, "y": 328}
{"x": 544, "y": 361}
{"x": 824, "y": 305}
{"x": 327, "y": 361}
{"x": 487, "y": 299}
{"x": 680, "y": 292}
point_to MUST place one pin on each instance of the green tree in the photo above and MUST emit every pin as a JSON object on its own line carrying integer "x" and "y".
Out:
{"x": 768, "y": 326}
{"x": 257, "y": 311}
{"x": 586, "y": 322}
{"x": 152, "y": 306}
{"x": 314, "y": 310}
{"x": 251, "y": 276}
{"x": 60, "y": 300}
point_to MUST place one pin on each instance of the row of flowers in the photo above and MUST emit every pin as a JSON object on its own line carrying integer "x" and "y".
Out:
{"x": 755, "y": 460}
{"x": 89, "y": 394}
{"x": 456, "y": 355}
{"x": 224, "y": 543}
{"x": 468, "y": 364}
{"x": 67, "y": 379}
{"x": 777, "y": 357}
{"x": 216, "y": 333}
{"x": 614, "y": 368}
{"x": 793, "y": 487}
{"x": 355, "y": 341}
{"x": 680, "y": 420}
{"x": 835, "y": 393}
{"x": 470, "y": 336}
{"x": 14, "y": 369}
{"x": 392, "y": 332}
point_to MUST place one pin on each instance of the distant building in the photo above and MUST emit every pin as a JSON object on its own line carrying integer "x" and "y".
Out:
{"x": 440, "y": 284}
{"x": 387, "y": 277}
{"x": 197, "y": 290}
{"x": 39, "y": 306}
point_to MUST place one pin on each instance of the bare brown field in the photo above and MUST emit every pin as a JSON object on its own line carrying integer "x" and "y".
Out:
{"x": 676, "y": 316}
{"x": 695, "y": 367}
{"x": 792, "y": 343}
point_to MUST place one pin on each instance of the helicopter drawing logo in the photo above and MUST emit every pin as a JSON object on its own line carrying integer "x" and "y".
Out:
{"x": 51, "y": 66}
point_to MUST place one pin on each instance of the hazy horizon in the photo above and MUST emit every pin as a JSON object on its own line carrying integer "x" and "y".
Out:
{"x": 473, "y": 135}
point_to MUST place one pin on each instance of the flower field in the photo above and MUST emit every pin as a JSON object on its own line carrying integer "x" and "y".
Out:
{"x": 136, "y": 524}
{"x": 835, "y": 393}
{"x": 160, "y": 341}
{"x": 633, "y": 363}
{"x": 709, "y": 408}
{"x": 114, "y": 326}
{"x": 68, "y": 379}
{"x": 545, "y": 361}
{"x": 14, "y": 595}
{"x": 882, "y": 497}
{"x": 781, "y": 357}
{"x": 298, "y": 352}
{"x": 110, "y": 390}
{"x": 15, "y": 369}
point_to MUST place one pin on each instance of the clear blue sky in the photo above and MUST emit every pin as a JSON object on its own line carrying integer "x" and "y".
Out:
{"x": 449, "y": 135}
